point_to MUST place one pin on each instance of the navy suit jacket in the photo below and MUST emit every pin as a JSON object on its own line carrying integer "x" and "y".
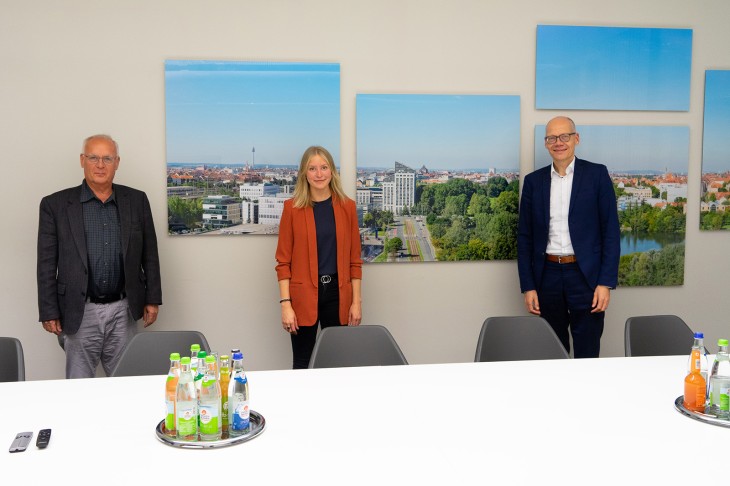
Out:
{"x": 592, "y": 223}
{"x": 63, "y": 260}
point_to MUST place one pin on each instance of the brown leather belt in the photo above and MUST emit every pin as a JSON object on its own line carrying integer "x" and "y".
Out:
{"x": 561, "y": 258}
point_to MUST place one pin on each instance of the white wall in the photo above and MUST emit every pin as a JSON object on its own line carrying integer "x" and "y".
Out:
{"x": 72, "y": 68}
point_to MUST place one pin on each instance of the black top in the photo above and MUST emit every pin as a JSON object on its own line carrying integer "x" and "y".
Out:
{"x": 103, "y": 244}
{"x": 324, "y": 222}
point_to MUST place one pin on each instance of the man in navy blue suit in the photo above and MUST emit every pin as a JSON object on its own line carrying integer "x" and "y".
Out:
{"x": 568, "y": 242}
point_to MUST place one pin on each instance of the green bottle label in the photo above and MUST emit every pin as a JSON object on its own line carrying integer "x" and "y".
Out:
{"x": 187, "y": 420}
{"x": 170, "y": 417}
{"x": 208, "y": 419}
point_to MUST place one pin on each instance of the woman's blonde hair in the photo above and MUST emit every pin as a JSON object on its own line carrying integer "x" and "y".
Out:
{"x": 302, "y": 195}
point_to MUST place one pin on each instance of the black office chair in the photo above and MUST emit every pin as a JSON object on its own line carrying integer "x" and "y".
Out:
{"x": 148, "y": 352}
{"x": 347, "y": 346}
{"x": 12, "y": 362}
{"x": 519, "y": 338}
{"x": 657, "y": 336}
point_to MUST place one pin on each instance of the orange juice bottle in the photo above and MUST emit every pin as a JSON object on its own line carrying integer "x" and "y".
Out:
{"x": 695, "y": 386}
{"x": 171, "y": 392}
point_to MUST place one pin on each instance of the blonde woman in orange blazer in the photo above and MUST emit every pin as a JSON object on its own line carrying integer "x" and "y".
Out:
{"x": 319, "y": 266}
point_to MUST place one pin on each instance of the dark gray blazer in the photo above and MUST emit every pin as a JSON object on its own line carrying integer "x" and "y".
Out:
{"x": 63, "y": 262}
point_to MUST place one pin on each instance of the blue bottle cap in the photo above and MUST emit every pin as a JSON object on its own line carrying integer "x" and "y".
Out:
{"x": 699, "y": 335}
{"x": 237, "y": 355}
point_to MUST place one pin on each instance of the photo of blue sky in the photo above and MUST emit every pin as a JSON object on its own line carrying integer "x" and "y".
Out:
{"x": 612, "y": 68}
{"x": 627, "y": 148}
{"x": 217, "y": 111}
{"x": 448, "y": 132}
{"x": 715, "y": 141}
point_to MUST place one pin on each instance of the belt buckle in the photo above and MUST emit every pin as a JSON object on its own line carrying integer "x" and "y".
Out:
{"x": 560, "y": 259}
{"x": 325, "y": 279}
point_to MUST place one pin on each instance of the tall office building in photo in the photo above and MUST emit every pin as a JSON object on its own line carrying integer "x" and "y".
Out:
{"x": 252, "y": 192}
{"x": 271, "y": 207}
{"x": 221, "y": 212}
{"x": 399, "y": 189}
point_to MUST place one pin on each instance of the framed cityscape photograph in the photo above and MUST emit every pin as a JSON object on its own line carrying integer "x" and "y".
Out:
{"x": 438, "y": 177}
{"x": 235, "y": 135}
{"x": 612, "y": 68}
{"x": 715, "y": 184}
{"x": 648, "y": 166}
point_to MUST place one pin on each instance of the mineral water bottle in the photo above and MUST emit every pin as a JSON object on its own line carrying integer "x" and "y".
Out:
{"x": 194, "y": 349}
{"x": 234, "y": 351}
{"x": 201, "y": 370}
{"x": 209, "y": 403}
{"x": 225, "y": 378}
{"x": 720, "y": 382}
{"x": 238, "y": 411}
{"x": 186, "y": 404}
{"x": 171, "y": 393}
{"x": 695, "y": 387}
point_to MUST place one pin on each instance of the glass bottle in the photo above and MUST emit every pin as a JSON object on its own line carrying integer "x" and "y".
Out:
{"x": 720, "y": 382}
{"x": 209, "y": 402}
{"x": 225, "y": 379}
{"x": 186, "y": 404}
{"x": 704, "y": 364}
{"x": 194, "y": 349}
{"x": 238, "y": 410}
{"x": 200, "y": 373}
{"x": 173, "y": 377}
{"x": 695, "y": 386}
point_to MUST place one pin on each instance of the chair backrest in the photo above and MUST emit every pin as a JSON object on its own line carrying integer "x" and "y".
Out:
{"x": 518, "y": 338}
{"x": 12, "y": 362}
{"x": 657, "y": 336}
{"x": 346, "y": 346}
{"x": 148, "y": 352}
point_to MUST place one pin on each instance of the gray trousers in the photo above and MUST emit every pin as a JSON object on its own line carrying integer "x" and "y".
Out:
{"x": 105, "y": 331}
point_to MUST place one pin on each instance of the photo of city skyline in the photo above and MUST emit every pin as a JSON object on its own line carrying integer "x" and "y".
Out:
{"x": 612, "y": 68}
{"x": 648, "y": 166}
{"x": 715, "y": 183}
{"x": 438, "y": 176}
{"x": 235, "y": 135}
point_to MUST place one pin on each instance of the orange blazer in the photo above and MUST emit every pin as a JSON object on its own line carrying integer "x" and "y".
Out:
{"x": 296, "y": 257}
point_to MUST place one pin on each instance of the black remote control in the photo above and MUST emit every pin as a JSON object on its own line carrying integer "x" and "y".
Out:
{"x": 44, "y": 436}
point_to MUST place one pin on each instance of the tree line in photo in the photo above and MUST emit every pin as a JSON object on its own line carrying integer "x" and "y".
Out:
{"x": 715, "y": 220}
{"x": 466, "y": 220}
{"x": 185, "y": 213}
{"x": 653, "y": 267}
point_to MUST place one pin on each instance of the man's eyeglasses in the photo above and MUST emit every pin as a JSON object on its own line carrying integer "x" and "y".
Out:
{"x": 564, "y": 137}
{"x": 94, "y": 159}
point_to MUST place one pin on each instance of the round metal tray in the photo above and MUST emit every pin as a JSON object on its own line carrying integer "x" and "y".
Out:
{"x": 707, "y": 418}
{"x": 258, "y": 424}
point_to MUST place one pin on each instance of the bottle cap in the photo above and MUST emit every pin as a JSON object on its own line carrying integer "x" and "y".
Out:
{"x": 175, "y": 356}
{"x": 722, "y": 342}
{"x": 238, "y": 355}
{"x": 202, "y": 354}
{"x": 185, "y": 360}
{"x": 209, "y": 359}
{"x": 195, "y": 347}
{"x": 224, "y": 356}
{"x": 699, "y": 335}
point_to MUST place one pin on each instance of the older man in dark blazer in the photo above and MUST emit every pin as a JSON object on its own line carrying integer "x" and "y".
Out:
{"x": 568, "y": 242}
{"x": 98, "y": 269}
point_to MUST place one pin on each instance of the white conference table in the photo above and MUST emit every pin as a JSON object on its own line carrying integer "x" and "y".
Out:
{"x": 604, "y": 421}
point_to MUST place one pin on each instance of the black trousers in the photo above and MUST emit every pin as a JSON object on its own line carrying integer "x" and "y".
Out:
{"x": 328, "y": 314}
{"x": 565, "y": 302}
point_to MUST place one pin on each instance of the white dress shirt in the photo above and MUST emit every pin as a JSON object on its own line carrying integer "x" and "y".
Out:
{"x": 558, "y": 233}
